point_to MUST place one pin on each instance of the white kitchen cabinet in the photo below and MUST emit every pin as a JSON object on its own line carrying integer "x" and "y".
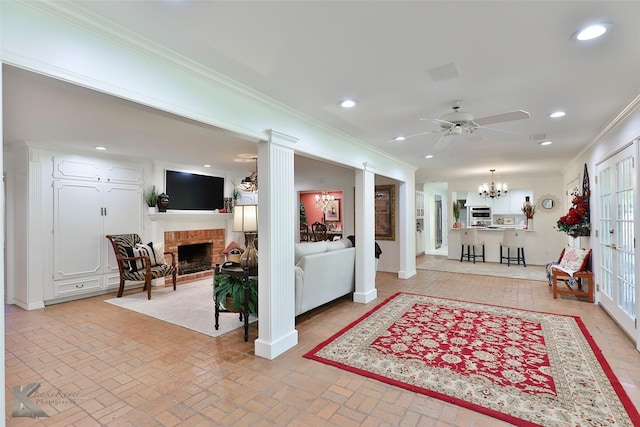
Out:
{"x": 419, "y": 243}
{"x": 518, "y": 198}
{"x": 502, "y": 205}
{"x": 419, "y": 204}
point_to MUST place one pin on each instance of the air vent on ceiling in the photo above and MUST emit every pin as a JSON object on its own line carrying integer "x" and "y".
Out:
{"x": 444, "y": 72}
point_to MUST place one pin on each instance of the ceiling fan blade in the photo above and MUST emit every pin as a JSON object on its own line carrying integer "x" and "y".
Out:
{"x": 443, "y": 142}
{"x": 415, "y": 134}
{"x": 499, "y": 130}
{"x": 504, "y": 117}
{"x": 440, "y": 121}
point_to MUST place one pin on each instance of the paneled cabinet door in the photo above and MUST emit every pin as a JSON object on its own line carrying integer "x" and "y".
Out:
{"x": 518, "y": 198}
{"x": 419, "y": 204}
{"x": 502, "y": 205}
{"x": 78, "y": 228}
{"x": 123, "y": 215}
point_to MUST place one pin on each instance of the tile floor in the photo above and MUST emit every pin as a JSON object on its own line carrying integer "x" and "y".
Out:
{"x": 119, "y": 368}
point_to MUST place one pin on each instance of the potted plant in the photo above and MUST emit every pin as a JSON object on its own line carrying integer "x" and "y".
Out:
{"x": 151, "y": 198}
{"x": 456, "y": 214}
{"x": 236, "y": 196}
{"x": 230, "y": 291}
{"x": 303, "y": 214}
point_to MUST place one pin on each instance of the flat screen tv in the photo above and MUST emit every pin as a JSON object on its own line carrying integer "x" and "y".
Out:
{"x": 193, "y": 192}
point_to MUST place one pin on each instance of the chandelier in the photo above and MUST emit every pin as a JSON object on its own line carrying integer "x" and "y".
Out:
{"x": 494, "y": 190}
{"x": 250, "y": 183}
{"x": 323, "y": 201}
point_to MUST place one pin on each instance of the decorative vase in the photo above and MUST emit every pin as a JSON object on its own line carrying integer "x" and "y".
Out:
{"x": 163, "y": 202}
{"x": 249, "y": 257}
{"x": 152, "y": 209}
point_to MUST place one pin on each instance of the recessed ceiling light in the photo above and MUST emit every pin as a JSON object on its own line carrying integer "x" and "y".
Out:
{"x": 429, "y": 156}
{"x": 207, "y": 166}
{"x": 557, "y": 114}
{"x": 592, "y": 31}
{"x": 348, "y": 103}
{"x": 546, "y": 143}
{"x": 398, "y": 139}
{"x": 99, "y": 147}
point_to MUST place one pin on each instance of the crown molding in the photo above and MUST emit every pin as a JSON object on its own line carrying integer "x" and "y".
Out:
{"x": 75, "y": 15}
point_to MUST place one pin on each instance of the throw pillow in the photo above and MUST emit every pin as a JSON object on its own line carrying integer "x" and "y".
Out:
{"x": 158, "y": 250}
{"x": 138, "y": 264}
{"x": 154, "y": 252}
{"x": 575, "y": 259}
{"x": 335, "y": 245}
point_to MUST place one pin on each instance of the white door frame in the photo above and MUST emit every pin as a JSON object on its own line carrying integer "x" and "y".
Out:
{"x": 612, "y": 248}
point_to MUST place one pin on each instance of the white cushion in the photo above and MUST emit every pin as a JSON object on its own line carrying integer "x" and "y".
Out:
{"x": 158, "y": 250}
{"x": 347, "y": 242}
{"x": 309, "y": 248}
{"x": 574, "y": 259}
{"x": 335, "y": 245}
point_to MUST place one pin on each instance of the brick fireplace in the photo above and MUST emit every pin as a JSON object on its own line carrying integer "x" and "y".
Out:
{"x": 212, "y": 241}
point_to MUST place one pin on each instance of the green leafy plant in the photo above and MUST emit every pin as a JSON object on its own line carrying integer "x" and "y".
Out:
{"x": 303, "y": 214}
{"x": 151, "y": 197}
{"x": 233, "y": 287}
{"x": 456, "y": 210}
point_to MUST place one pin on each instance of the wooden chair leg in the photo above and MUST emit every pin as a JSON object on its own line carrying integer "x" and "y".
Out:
{"x": 121, "y": 288}
{"x": 461, "y": 252}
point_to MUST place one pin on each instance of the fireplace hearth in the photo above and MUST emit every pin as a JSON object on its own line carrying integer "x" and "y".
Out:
{"x": 194, "y": 258}
{"x": 197, "y": 251}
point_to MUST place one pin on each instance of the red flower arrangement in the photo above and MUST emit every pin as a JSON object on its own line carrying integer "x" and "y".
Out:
{"x": 576, "y": 221}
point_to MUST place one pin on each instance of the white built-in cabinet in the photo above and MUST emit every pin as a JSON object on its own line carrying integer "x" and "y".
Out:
{"x": 419, "y": 204}
{"x": 63, "y": 206}
{"x": 91, "y": 198}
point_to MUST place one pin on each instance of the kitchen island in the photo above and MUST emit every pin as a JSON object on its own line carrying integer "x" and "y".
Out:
{"x": 536, "y": 252}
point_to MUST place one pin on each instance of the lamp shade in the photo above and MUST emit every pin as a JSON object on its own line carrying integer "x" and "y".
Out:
{"x": 245, "y": 218}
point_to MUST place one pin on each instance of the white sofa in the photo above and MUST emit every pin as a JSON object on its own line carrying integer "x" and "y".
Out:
{"x": 324, "y": 271}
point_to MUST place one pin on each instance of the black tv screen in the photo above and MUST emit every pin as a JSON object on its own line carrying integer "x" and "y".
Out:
{"x": 192, "y": 192}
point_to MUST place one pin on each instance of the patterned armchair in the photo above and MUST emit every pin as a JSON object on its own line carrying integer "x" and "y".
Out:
{"x": 140, "y": 262}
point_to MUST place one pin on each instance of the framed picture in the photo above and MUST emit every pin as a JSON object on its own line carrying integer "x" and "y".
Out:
{"x": 333, "y": 213}
{"x": 385, "y": 212}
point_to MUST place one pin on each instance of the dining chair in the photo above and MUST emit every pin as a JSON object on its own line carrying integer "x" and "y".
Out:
{"x": 319, "y": 231}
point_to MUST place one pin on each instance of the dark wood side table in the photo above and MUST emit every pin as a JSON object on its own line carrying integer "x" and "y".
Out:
{"x": 245, "y": 273}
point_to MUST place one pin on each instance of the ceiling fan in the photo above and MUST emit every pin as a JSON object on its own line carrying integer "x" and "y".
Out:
{"x": 458, "y": 122}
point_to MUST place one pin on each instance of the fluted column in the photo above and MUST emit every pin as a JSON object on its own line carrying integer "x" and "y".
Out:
{"x": 276, "y": 235}
{"x": 365, "y": 235}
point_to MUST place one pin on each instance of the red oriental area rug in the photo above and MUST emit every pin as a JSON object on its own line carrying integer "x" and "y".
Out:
{"x": 523, "y": 367}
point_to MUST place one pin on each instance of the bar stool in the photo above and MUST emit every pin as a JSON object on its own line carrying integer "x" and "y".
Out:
{"x": 513, "y": 238}
{"x": 469, "y": 238}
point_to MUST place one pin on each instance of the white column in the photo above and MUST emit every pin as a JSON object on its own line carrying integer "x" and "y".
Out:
{"x": 277, "y": 208}
{"x": 365, "y": 235}
{"x": 406, "y": 234}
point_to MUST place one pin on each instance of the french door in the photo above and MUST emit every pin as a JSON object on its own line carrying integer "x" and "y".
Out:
{"x": 617, "y": 291}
